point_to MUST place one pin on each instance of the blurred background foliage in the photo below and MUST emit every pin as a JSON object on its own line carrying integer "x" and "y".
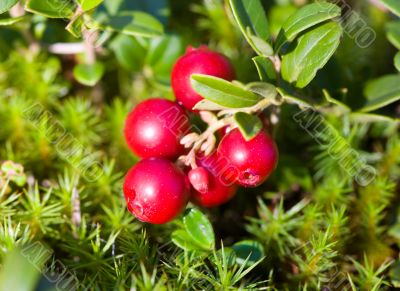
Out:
{"x": 316, "y": 227}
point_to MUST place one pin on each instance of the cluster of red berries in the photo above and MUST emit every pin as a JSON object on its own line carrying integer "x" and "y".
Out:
{"x": 156, "y": 189}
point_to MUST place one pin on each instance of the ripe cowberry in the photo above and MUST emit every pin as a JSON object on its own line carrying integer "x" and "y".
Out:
{"x": 155, "y": 127}
{"x": 198, "y": 61}
{"x": 219, "y": 190}
{"x": 254, "y": 159}
{"x": 156, "y": 190}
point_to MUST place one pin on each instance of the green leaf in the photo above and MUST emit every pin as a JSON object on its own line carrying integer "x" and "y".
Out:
{"x": 265, "y": 68}
{"x": 381, "y": 92}
{"x": 393, "y": 33}
{"x": 135, "y": 23}
{"x": 183, "y": 240}
{"x": 392, "y": 5}
{"x": 249, "y": 250}
{"x": 290, "y": 98}
{"x": 162, "y": 55}
{"x": 6, "y": 5}
{"x": 306, "y": 17}
{"x": 208, "y": 105}
{"x": 129, "y": 52}
{"x": 87, "y": 5}
{"x": 249, "y": 125}
{"x": 51, "y": 8}
{"x": 88, "y": 75}
{"x": 263, "y": 89}
{"x": 397, "y": 61}
{"x": 310, "y": 53}
{"x": 199, "y": 228}
{"x": 261, "y": 47}
{"x": 252, "y": 21}
{"x": 222, "y": 92}
{"x": 75, "y": 26}
{"x": 10, "y": 21}
{"x": 370, "y": 117}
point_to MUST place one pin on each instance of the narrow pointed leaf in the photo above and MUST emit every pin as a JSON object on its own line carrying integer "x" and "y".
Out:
{"x": 87, "y": 5}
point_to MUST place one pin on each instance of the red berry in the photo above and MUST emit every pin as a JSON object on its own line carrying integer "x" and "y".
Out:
{"x": 219, "y": 190}
{"x": 254, "y": 159}
{"x": 155, "y": 127}
{"x": 199, "y": 179}
{"x": 155, "y": 190}
{"x": 198, "y": 61}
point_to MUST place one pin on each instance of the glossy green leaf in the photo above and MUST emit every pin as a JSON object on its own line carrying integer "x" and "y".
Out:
{"x": 20, "y": 268}
{"x": 262, "y": 47}
{"x": 88, "y": 75}
{"x": 370, "y": 117}
{"x": 87, "y": 5}
{"x": 129, "y": 52}
{"x": 265, "y": 68}
{"x": 134, "y": 23}
{"x": 262, "y": 89}
{"x": 392, "y": 5}
{"x": 249, "y": 125}
{"x": 199, "y": 228}
{"x": 183, "y": 240}
{"x": 381, "y": 92}
{"x": 306, "y": 17}
{"x": 6, "y": 5}
{"x": 309, "y": 53}
{"x": 291, "y": 99}
{"x": 209, "y": 106}
{"x": 249, "y": 250}
{"x": 51, "y": 8}
{"x": 75, "y": 26}
{"x": 277, "y": 16}
{"x": 252, "y": 21}
{"x": 393, "y": 33}
{"x": 222, "y": 92}
{"x": 11, "y": 21}
{"x": 397, "y": 61}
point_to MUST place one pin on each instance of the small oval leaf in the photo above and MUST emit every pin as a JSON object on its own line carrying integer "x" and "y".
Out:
{"x": 88, "y": 75}
{"x": 265, "y": 68}
{"x": 249, "y": 125}
{"x": 392, "y": 5}
{"x": 397, "y": 61}
{"x": 306, "y": 17}
{"x": 199, "y": 228}
{"x": 51, "y": 9}
{"x": 6, "y": 5}
{"x": 222, "y": 92}
{"x": 252, "y": 20}
{"x": 381, "y": 92}
{"x": 393, "y": 33}
{"x": 248, "y": 252}
{"x": 183, "y": 240}
{"x": 309, "y": 53}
